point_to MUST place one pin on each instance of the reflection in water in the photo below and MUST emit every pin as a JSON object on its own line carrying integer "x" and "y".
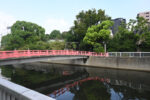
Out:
{"x": 85, "y": 83}
{"x": 120, "y": 85}
{"x": 3, "y": 77}
{"x": 77, "y": 85}
{"x": 91, "y": 90}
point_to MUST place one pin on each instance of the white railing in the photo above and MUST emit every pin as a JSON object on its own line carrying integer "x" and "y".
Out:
{"x": 129, "y": 54}
{"x": 12, "y": 91}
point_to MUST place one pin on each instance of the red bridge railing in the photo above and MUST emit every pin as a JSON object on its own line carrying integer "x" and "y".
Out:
{"x": 30, "y": 53}
{"x": 61, "y": 91}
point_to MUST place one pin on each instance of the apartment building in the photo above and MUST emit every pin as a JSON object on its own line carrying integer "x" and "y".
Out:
{"x": 145, "y": 15}
{"x": 117, "y": 23}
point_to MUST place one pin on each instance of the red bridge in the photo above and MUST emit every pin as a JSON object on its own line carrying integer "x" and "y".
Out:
{"x": 30, "y": 53}
{"x": 61, "y": 91}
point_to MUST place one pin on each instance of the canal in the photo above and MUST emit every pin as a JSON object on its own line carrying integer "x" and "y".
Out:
{"x": 68, "y": 82}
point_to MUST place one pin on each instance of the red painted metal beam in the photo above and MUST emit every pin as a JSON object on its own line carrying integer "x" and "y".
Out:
{"x": 30, "y": 53}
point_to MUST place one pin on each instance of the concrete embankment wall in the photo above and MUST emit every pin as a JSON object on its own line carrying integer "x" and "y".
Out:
{"x": 130, "y": 63}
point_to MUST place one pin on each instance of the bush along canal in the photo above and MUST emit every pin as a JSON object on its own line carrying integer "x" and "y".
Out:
{"x": 68, "y": 82}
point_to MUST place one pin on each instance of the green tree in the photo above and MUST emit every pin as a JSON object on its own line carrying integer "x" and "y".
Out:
{"x": 145, "y": 42}
{"x": 55, "y": 34}
{"x": 143, "y": 29}
{"x": 39, "y": 45}
{"x": 57, "y": 45}
{"x": 123, "y": 41}
{"x": 22, "y": 34}
{"x": 133, "y": 36}
{"x": 91, "y": 90}
{"x": 84, "y": 20}
{"x": 99, "y": 34}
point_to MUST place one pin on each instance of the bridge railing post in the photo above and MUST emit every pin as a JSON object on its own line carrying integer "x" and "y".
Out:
{"x": 47, "y": 52}
{"x": 107, "y": 54}
{"x": 54, "y": 52}
{"x": 140, "y": 55}
{"x": 28, "y": 53}
{"x": 67, "y": 53}
{"x": 39, "y": 52}
{"x": 15, "y": 53}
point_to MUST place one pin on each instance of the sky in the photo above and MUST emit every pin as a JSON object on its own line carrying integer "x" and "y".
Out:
{"x": 60, "y": 14}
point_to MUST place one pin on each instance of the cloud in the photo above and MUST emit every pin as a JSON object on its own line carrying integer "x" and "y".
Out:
{"x": 50, "y": 24}
{"x": 58, "y": 24}
{"x": 6, "y": 20}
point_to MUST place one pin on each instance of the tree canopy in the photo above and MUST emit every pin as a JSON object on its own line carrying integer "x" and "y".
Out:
{"x": 124, "y": 40}
{"x": 133, "y": 36}
{"x": 99, "y": 34}
{"x": 22, "y": 35}
{"x": 91, "y": 30}
{"x": 55, "y": 34}
{"x": 84, "y": 20}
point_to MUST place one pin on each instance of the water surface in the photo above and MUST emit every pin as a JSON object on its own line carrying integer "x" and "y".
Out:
{"x": 84, "y": 83}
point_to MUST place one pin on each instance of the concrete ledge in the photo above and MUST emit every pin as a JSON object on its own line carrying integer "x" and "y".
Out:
{"x": 16, "y": 92}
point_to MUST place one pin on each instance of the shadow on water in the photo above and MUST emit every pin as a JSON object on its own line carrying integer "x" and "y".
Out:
{"x": 67, "y": 82}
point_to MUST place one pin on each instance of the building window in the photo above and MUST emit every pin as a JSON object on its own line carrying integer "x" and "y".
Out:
{"x": 147, "y": 12}
{"x": 147, "y": 16}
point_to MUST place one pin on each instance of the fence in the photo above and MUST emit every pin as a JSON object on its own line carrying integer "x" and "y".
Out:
{"x": 29, "y": 53}
{"x": 129, "y": 54}
{"x": 12, "y": 91}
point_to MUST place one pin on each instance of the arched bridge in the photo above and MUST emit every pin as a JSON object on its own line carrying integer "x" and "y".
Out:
{"x": 26, "y": 56}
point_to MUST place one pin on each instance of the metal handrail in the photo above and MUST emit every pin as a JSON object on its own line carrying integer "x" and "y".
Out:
{"x": 29, "y": 53}
{"x": 129, "y": 54}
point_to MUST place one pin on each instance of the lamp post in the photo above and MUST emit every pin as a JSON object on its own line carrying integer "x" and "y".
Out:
{"x": 105, "y": 46}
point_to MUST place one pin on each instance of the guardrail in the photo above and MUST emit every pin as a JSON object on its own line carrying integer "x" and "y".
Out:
{"x": 12, "y": 91}
{"x": 129, "y": 54}
{"x": 29, "y": 53}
